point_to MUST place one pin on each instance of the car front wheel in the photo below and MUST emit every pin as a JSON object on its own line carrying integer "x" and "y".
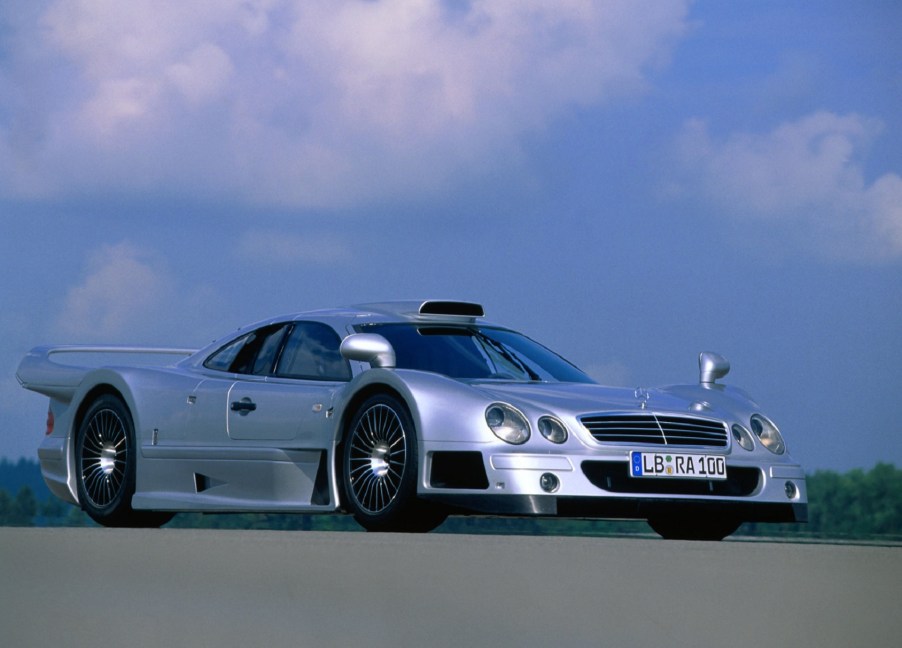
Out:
{"x": 380, "y": 466}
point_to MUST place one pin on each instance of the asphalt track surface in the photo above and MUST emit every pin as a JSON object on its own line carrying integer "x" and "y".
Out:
{"x": 172, "y": 587}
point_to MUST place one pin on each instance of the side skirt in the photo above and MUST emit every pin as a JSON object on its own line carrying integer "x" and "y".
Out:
{"x": 233, "y": 480}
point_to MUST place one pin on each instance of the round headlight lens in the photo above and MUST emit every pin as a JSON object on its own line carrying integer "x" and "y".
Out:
{"x": 768, "y": 434}
{"x": 507, "y": 423}
{"x": 743, "y": 437}
{"x": 552, "y": 429}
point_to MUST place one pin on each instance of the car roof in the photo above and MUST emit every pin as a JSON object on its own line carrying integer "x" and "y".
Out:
{"x": 420, "y": 311}
{"x": 433, "y": 310}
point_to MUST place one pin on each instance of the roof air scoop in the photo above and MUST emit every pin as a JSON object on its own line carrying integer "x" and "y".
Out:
{"x": 711, "y": 366}
{"x": 461, "y": 309}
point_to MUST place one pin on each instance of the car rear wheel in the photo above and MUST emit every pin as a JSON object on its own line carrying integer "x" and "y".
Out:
{"x": 677, "y": 527}
{"x": 380, "y": 464}
{"x": 105, "y": 466}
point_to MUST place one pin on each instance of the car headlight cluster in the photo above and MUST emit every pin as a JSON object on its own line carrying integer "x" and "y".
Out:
{"x": 507, "y": 423}
{"x": 743, "y": 437}
{"x": 768, "y": 434}
{"x": 510, "y": 425}
{"x": 552, "y": 429}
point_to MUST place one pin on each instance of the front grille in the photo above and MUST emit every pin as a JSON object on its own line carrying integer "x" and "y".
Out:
{"x": 655, "y": 429}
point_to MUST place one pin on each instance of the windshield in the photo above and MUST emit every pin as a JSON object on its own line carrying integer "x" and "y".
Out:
{"x": 475, "y": 353}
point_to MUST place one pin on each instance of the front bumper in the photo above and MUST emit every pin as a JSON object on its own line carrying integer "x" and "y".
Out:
{"x": 621, "y": 508}
{"x": 600, "y": 486}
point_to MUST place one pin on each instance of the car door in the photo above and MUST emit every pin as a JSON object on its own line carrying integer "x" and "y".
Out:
{"x": 289, "y": 395}
{"x": 278, "y": 410}
{"x": 245, "y": 361}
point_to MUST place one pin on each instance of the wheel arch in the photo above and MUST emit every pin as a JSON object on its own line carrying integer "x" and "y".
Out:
{"x": 349, "y": 409}
{"x": 116, "y": 511}
{"x": 98, "y": 390}
{"x": 399, "y": 508}
{"x": 106, "y": 381}
{"x": 95, "y": 391}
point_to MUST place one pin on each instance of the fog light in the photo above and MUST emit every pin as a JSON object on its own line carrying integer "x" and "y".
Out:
{"x": 549, "y": 483}
{"x": 791, "y": 490}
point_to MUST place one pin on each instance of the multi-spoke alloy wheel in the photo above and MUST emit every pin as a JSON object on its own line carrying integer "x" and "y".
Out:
{"x": 104, "y": 451}
{"x": 380, "y": 466}
{"x": 377, "y": 458}
{"x": 105, "y": 466}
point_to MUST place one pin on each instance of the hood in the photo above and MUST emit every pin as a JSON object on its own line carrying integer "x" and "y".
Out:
{"x": 577, "y": 399}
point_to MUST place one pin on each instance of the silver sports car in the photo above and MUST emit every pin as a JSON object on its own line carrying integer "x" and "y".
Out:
{"x": 401, "y": 414}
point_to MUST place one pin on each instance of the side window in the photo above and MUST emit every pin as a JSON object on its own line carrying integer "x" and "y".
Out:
{"x": 222, "y": 359}
{"x": 311, "y": 352}
{"x": 253, "y": 353}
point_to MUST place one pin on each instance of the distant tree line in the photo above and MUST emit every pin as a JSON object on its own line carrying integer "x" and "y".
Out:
{"x": 854, "y": 505}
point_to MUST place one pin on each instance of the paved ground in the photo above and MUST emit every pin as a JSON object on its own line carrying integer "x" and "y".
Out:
{"x": 170, "y": 587}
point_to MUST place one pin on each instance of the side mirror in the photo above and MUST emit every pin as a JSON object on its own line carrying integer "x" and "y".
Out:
{"x": 711, "y": 366}
{"x": 369, "y": 347}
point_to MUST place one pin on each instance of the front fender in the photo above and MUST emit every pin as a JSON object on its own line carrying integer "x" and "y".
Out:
{"x": 442, "y": 409}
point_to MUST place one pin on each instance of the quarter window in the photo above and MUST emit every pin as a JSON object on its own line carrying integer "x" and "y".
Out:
{"x": 253, "y": 353}
{"x": 222, "y": 360}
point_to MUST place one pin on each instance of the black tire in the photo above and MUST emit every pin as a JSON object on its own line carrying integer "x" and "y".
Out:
{"x": 105, "y": 466}
{"x": 675, "y": 527}
{"x": 380, "y": 464}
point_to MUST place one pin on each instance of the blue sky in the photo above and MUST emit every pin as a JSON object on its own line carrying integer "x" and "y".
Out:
{"x": 628, "y": 182}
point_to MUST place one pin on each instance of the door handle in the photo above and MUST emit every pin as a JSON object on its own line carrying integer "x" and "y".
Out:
{"x": 244, "y": 406}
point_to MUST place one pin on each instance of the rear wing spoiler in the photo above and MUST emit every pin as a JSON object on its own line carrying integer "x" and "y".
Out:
{"x": 39, "y": 373}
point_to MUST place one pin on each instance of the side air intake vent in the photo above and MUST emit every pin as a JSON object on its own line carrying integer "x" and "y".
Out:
{"x": 464, "y": 309}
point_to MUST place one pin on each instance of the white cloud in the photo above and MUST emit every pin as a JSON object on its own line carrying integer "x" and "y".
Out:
{"x": 129, "y": 294}
{"x": 123, "y": 288}
{"x": 808, "y": 174}
{"x": 203, "y": 75}
{"x": 884, "y": 201}
{"x": 306, "y": 103}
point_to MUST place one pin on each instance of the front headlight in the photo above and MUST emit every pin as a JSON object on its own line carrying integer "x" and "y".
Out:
{"x": 507, "y": 423}
{"x": 768, "y": 434}
{"x": 742, "y": 437}
{"x": 552, "y": 429}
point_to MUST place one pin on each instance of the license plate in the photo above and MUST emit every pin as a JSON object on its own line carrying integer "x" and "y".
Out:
{"x": 671, "y": 464}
